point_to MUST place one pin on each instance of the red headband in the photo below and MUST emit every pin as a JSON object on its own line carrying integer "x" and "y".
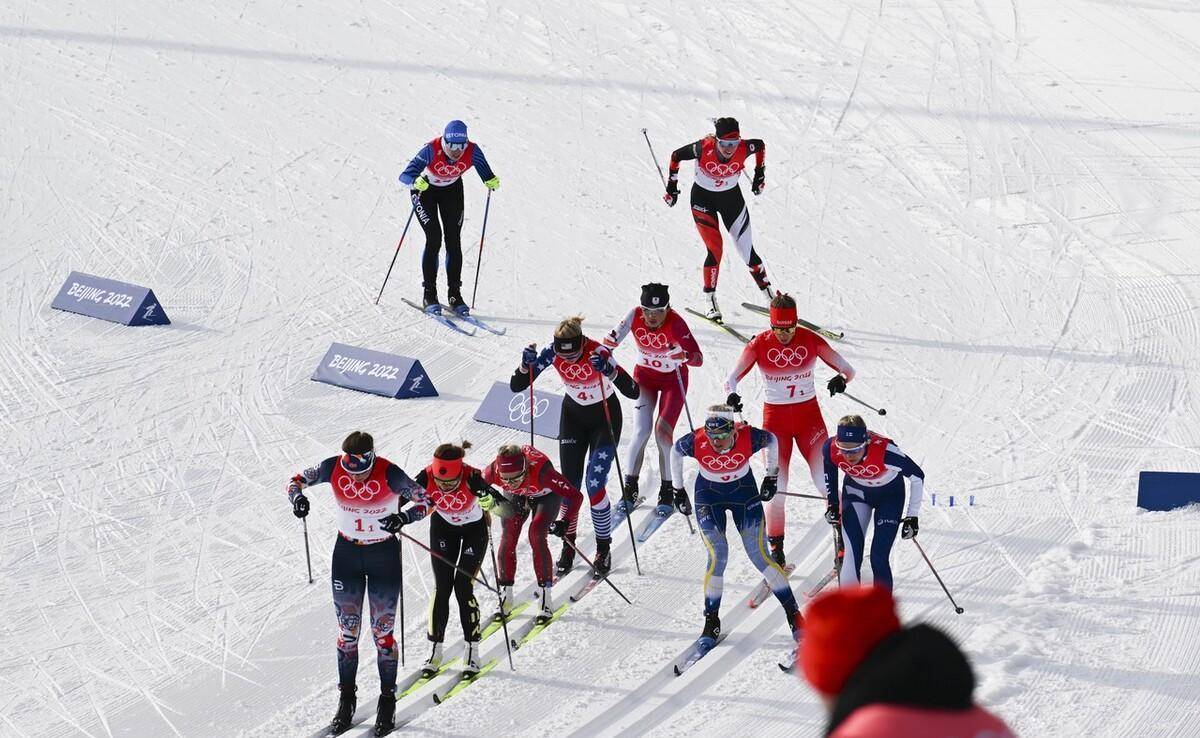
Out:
{"x": 510, "y": 465}
{"x": 447, "y": 468}
{"x": 730, "y": 135}
{"x": 782, "y": 317}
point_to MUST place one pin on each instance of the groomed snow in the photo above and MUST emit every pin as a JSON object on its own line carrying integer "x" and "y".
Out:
{"x": 996, "y": 200}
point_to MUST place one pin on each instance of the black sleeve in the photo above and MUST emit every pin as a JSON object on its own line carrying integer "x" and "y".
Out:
{"x": 519, "y": 381}
{"x": 626, "y": 385}
{"x": 422, "y": 479}
{"x": 755, "y": 145}
{"x": 686, "y": 152}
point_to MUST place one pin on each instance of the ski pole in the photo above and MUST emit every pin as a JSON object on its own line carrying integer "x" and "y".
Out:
{"x": 486, "y": 206}
{"x": 798, "y": 494}
{"x": 590, "y": 563}
{"x": 499, "y": 597}
{"x": 307, "y": 556}
{"x": 957, "y": 609}
{"x": 620, "y": 475}
{"x": 411, "y": 213}
{"x": 880, "y": 410}
{"x": 532, "y": 405}
{"x": 686, "y": 409}
{"x": 453, "y": 565}
{"x": 400, "y": 545}
{"x": 655, "y": 158}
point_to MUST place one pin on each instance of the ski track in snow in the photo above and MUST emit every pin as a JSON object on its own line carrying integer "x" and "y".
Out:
{"x": 995, "y": 200}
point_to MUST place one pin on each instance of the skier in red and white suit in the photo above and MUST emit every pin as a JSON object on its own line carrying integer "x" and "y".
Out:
{"x": 786, "y": 357}
{"x": 720, "y": 163}
{"x": 664, "y": 344}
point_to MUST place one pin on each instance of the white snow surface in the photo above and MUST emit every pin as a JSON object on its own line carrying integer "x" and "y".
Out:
{"x": 996, "y": 200}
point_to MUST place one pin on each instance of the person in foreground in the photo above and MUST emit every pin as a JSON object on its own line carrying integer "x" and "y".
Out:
{"x": 881, "y": 679}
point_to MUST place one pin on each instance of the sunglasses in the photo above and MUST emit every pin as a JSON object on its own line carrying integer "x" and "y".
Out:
{"x": 728, "y": 143}
{"x": 852, "y": 449}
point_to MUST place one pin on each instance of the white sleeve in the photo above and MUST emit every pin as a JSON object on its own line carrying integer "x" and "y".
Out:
{"x": 617, "y": 334}
{"x": 676, "y": 467}
{"x": 916, "y": 491}
{"x": 772, "y": 449}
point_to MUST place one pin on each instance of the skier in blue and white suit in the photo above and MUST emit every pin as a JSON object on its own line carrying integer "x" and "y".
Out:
{"x": 875, "y": 470}
{"x": 725, "y": 483}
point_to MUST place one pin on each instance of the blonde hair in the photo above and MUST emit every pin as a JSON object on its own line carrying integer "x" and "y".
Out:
{"x": 572, "y": 327}
{"x": 853, "y": 421}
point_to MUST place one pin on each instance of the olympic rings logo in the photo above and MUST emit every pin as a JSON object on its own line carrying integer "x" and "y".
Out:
{"x": 787, "y": 356}
{"x": 575, "y": 372}
{"x": 724, "y": 463}
{"x": 861, "y": 470}
{"x": 651, "y": 340}
{"x": 445, "y": 169}
{"x": 518, "y": 408}
{"x": 718, "y": 169}
{"x": 453, "y": 501}
{"x": 353, "y": 490}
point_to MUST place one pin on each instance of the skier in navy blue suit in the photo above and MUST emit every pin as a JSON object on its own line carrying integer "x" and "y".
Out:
{"x": 435, "y": 176}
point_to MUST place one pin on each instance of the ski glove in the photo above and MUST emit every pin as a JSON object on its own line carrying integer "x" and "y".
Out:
{"x": 833, "y": 516}
{"x": 420, "y": 184}
{"x": 682, "y": 503}
{"x": 672, "y": 195}
{"x": 601, "y": 361}
{"x": 558, "y": 528}
{"x": 768, "y": 488}
{"x": 300, "y": 506}
{"x": 394, "y": 522}
{"x": 908, "y": 528}
{"x": 836, "y": 385}
{"x": 498, "y": 506}
{"x": 519, "y": 504}
{"x": 492, "y": 184}
{"x": 529, "y": 355}
{"x": 734, "y": 401}
{"x": 760, "y": 180}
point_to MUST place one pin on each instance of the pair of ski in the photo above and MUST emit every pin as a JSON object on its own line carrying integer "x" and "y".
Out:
{"x": 449, "y": 318}
{"x": 824, "y": 332}
{"x": 839, "y": 555}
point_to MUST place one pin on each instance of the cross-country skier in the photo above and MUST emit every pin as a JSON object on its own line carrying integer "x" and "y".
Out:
{"x": 435, "y": 178}
{"x": 875, "y": 470}
{"x": 458, "y": 531}
{"x": 365, "y": 556}
{"x": 720, "y": 162}
{"x": 723, "y": 448}
{"x": 664, "y": 344}
{"x": 586, "y": 449}
{"x": 536, "y": 491}
{"x": 786, "y": 356}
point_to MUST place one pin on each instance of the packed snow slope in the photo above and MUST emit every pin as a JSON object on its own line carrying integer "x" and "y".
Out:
{"x": 996, "y": 200}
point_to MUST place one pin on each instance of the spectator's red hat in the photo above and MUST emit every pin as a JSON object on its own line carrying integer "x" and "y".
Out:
{"x": 840, "y": 629}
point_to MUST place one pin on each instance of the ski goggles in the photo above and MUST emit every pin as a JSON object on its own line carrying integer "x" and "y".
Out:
{"x": 654, "y": 310}
{"x": 728, "y": 143}
{"x": 852, "y": 450}
{"x": 358, "y": 463}
{"x": 456, "y": 147}
{"x": 511, "y": 470}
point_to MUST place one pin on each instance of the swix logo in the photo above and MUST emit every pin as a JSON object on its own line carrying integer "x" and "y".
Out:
{"x": 446, "y": 169}
{"x": 724, "y": 462}
{"x": 518, "y": 408}
{"x": 575, "y": 372}
{"x": 656, "y": 339}
{"x": 722, "y": 169}
{"x": 353, "y": 490}
{"x": 860, "y": 470}
{"x": 787, "y": 356}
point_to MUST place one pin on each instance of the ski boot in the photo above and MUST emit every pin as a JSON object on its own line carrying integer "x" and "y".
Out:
{"x": 666, "y": 495}
{"x": 430, "y": 301}
{"x": 454, "y": 297}
{"x": 545, "y": 608}
{"x": 506, "y": 602}
{"x": 714, "y": 312}
{"x": 471, "y": 659}
{"x": 759, "y": 273}
{"x": 712, "y": 628}
{"x": 776, "y": 543}
{"x": 434, "y": 663}
{"x": 347, "y": 703}
{"x": 385, "y": 714}
{"x": 629, "y": 494}
{"x": 603, "y": 559}
{"x": 566, "y": 559}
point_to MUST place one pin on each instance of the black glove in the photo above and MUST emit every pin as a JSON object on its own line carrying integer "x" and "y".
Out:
{"x": 768, "y": 488}
{"x": 558, "y": 528}
{"x": 394, "y": 522}
{"x": 734, "y": 401}
{"x": 836, "y": 385}
{"x": 300, "y": 506}
{"x": 682, "y": 503}
{"x": 520, "y": 505}
{"x": 833, "y": 516}
{"x": 760, "y": 180}
{"x": 908, "y": 527}
{"x": 672, "y": 195}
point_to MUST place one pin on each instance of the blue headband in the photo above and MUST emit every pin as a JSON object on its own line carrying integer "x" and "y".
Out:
{"x": 851, "y": 434}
